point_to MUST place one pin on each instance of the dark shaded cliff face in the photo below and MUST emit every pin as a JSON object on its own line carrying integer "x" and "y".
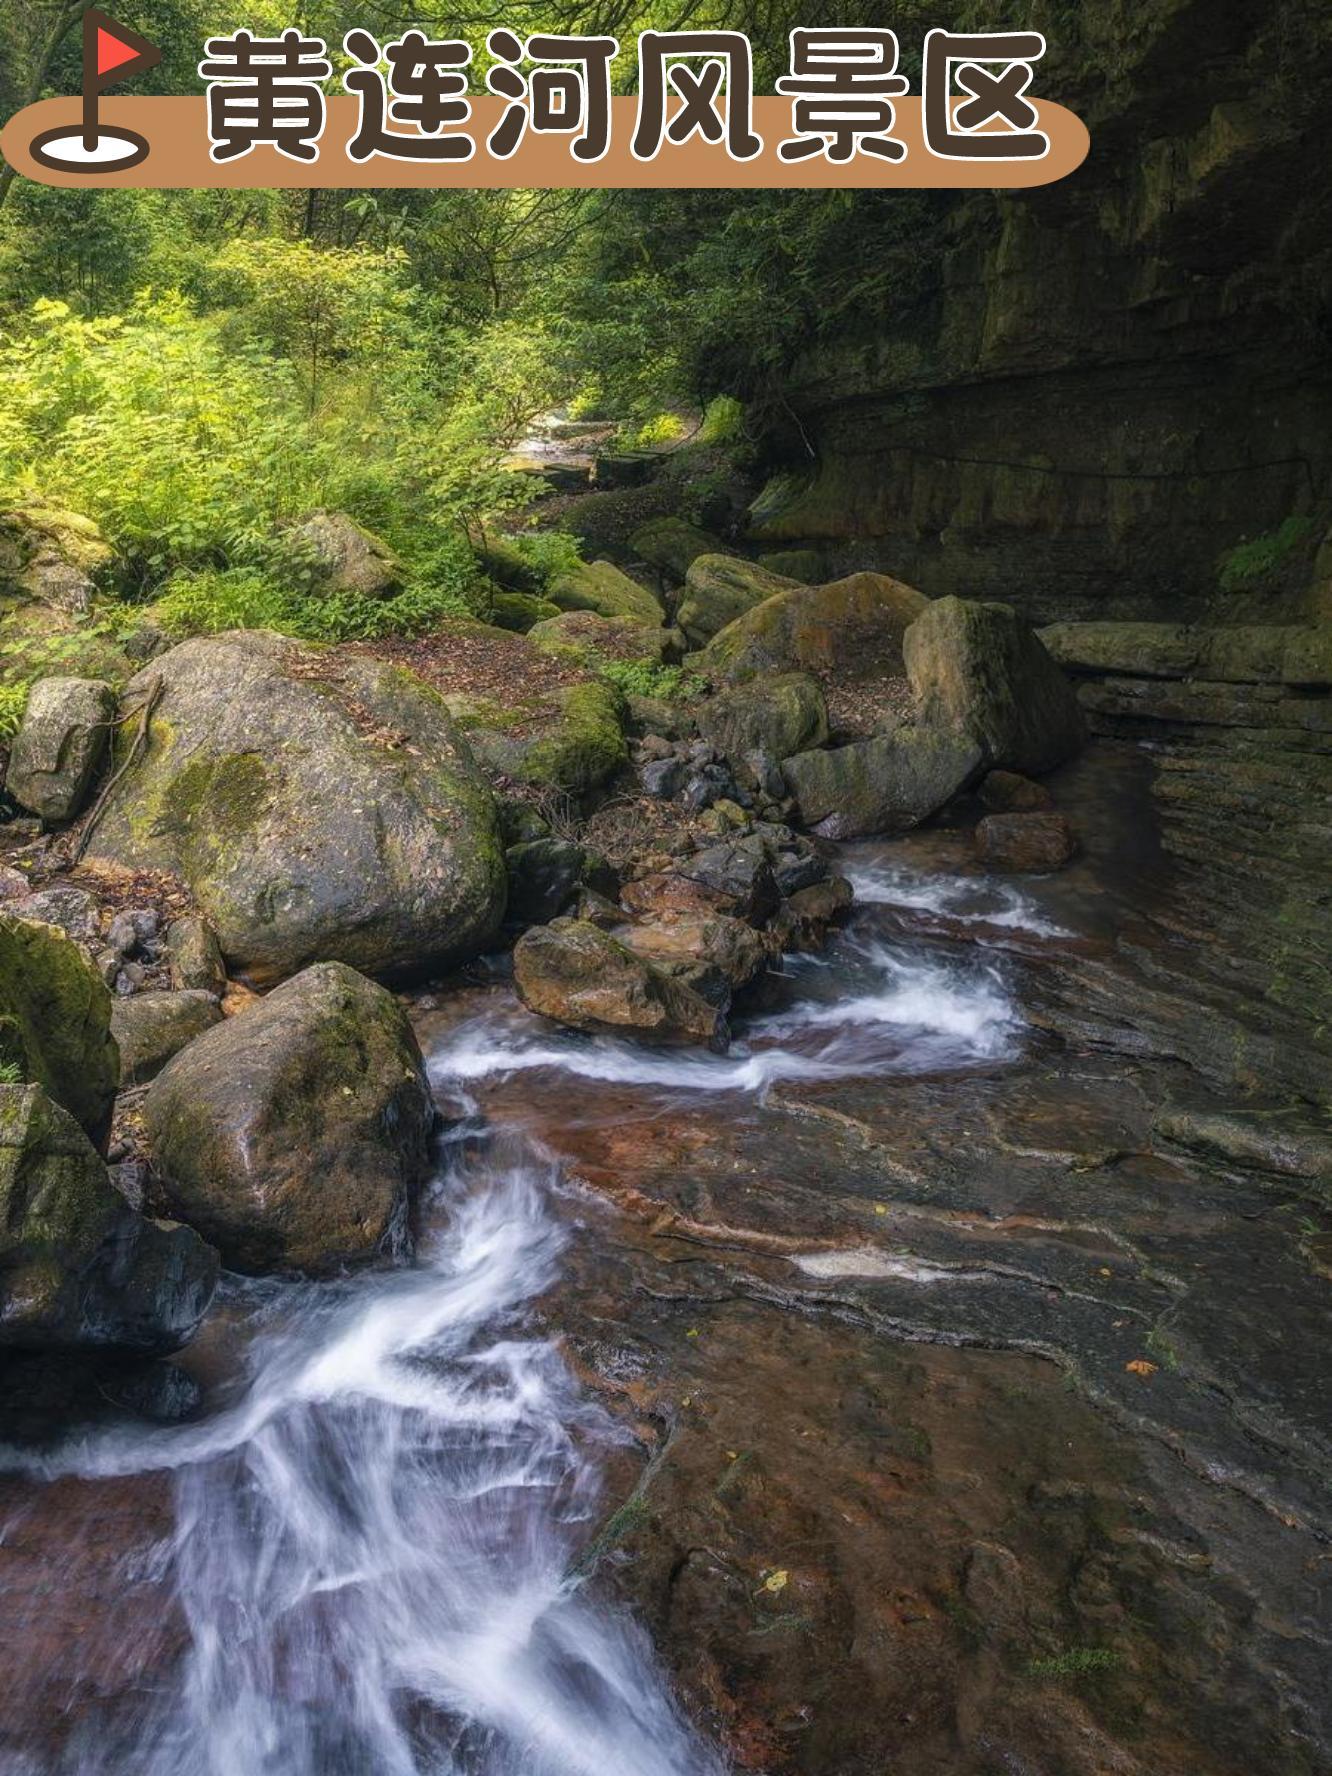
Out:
{"x": 1107, "y": 385}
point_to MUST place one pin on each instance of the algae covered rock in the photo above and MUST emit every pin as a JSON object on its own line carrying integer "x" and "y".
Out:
{"x": 575, "y": 750}
{"x": 979, "y": 669}
{"x": 520, "y": 611}
{"x": 349, "y": 558}
{"x": 293, "y": 1137}
{"x": 776, "y": 716}
{"x": 319, "y": 807}
{"x": 720, "y": 588}
{"x": 577, "y": 974}
{"x": 852, "y": 626}
{"x": 60, "y": 745}
{"x": 55, "y": 1021}
{"x": 78, "y": 1266}
{"x": 674, "y": 544}
{"x": 587, "y": 637}
{"x": 885, "y": 785}
{"x": 151, "y": 1027}
{"x": 50, "y": 555}
{"x": 600, "y": 586}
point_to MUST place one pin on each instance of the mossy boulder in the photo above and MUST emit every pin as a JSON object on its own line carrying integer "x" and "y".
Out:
{"x": 885, "y": 785}
{"x": 55, "y": 1021}
{"x": 294, "y": 1136}
{"x": 51, "y": 555}
{"x": 60, "y": 745}
{"x": 806, "y": 565}
{"x": 979, "y": 669}
{"x": 505, "y": 563}
{"x": 774, "y": 716}
{"x": 520, "y": 611}
{"x": 586, "y": 637}
{"x": 150, "y": 1028}
{"x": 78, "y": 1266}
{"x": 580, "y": 976}
{"x": 720, "y": 588}
{"x": 348, "y": 558}
{"x": 852, "y": 626}
{"x": 602, "y": 587}
{"x": 319, "y": 806}
{"x": 673, "y": 545}
{"x": 574, "y": 750}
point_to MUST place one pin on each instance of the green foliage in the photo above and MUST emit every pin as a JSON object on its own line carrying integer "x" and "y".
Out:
{"x": 548, "y": 553}
{"x": 13, "y": 701}
{"x": 1075, "y": 1662}
{"x": 645, "y": 678}
{"x": 205, "y": 601}
{"x": 10, "y": 1073}
{"x": 723, "y": 421}
{"x": 658, "y": 432}
{"x": 1253, "y": 563}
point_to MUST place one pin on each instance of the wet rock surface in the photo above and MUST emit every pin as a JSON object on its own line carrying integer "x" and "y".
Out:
{"x": 79, "y": 1269}
{"x": 295, "y": 1136}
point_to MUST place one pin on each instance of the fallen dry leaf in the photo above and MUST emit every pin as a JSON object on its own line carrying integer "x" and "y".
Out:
{"x": 1140, "y": 1366}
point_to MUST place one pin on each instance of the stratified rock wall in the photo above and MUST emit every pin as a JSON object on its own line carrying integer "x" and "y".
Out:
{"x": 1105, "y": 385}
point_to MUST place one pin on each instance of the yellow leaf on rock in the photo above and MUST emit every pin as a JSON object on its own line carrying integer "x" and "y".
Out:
{"x": 776, "y": 1581}
{"x": 1140, "y": 1366}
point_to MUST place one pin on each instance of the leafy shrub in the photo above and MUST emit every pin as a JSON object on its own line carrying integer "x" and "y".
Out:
{"x": 723, "y": 421}
{"x": 209, "y": 600}
{"x": 644, "y": 678}
{"x": 548, "y": 552}
{"x": 13, "y": 701}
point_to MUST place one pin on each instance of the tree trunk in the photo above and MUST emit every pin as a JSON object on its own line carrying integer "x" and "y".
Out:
{"x": 64, "y": 21}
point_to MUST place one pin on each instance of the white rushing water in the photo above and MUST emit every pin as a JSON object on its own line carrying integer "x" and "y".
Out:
{"x": 870, "y": 1008}
{"x": 376, "y": 1544}
{"x": 377, "y": 1535}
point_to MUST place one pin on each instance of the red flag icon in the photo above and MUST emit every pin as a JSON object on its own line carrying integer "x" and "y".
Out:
{"x": 112, "y": 52}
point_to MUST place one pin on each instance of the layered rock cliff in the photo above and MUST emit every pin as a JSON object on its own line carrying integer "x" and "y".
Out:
{"x": 1097, "y": 391}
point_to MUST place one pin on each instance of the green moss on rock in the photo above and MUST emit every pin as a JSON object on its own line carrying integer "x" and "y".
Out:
{"x": 55, "y": 1021}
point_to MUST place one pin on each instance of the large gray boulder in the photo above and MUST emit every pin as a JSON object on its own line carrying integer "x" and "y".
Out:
{"x": 55, "y": 1021}
{"x": 294, "y": 1136}
{"x": 885, "y": 785}
{"x": 349, "y": 558}
{"x": 60, "y": 745}
{"x": 853, "y": 627}
{"x": 720, "y": 588}
{"x": 581, "y": 976}
{"x": 979, "y": 669}
{"x": 318, "y": 806}
{"x": 78, "y": 1266}
{"x": 775, "y": 716}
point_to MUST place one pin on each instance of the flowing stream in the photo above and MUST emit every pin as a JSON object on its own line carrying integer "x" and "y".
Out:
{"x": 378, "y": 1532}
